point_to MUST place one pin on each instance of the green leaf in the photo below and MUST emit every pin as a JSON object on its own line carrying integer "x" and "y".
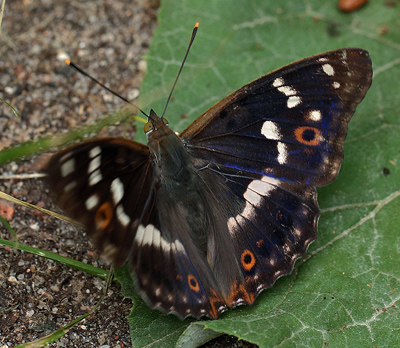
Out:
{"x": 346, "y": 291}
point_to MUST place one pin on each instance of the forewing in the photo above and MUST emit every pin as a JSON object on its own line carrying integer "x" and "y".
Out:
{"x": 289, "y": 124}
{"x": 104, "y": 184}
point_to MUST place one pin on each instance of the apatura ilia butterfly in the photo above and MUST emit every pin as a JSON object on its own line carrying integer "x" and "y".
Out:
{"x": 211, "y": 217}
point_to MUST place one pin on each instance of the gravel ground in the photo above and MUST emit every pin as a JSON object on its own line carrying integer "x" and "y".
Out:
{"x": 108, "y": 39}
{"x": 50, "y": 97}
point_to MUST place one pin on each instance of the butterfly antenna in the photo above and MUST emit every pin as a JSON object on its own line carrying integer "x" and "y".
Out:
{"x": 183, "y": 63}
{"x": 67, "y": 61}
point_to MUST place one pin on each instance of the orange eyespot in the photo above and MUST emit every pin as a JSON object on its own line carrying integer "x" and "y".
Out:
{"x": 247, "y": 260}
{"x": 193, "y": 283}
{"x": 148, "y": 127}
{"x": 308, "y": 135}
{"x": 104, "y": 215}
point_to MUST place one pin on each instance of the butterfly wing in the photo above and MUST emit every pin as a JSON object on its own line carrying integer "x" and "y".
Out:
{"x": 104, "y": 184}
{"x": 264, "y": 147}
{"x": 108, "y": 185}
{"x": 289, "y": 124}
{"x": 266, "y": 223}
{"x": 168, "y": 266}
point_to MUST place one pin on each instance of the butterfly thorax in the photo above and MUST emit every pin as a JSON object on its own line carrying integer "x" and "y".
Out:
{"x": 167, "y": 152}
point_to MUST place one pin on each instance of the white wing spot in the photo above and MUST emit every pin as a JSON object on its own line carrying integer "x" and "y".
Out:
{"x": 248, "y": 210}
{"x": 315, "y": 115}
{"x": 336, "y": 85}
{"x": 139, "y": 234}
{"x": 262, "y": 186}
{"x": 282, "y": 156}
{"x": 271, "y": 130}
{"x": 278, "y": 82}
{"x": 92, "y": 202}
{"x": 165, "y": 246}
{"x": 70, "y": 186}
{"x": 328, "y": 69}
{"x": 95, "y": 155}
{"x": 95, "y": 152}
{"x": 148, "y": 235}
{"x": 122, "y": 217}
{"x": 293, "y": 101}
{"x": 66, "y": 156}
{"x": 152, "y": 236}
{"x": 117, "y": 190}
{"x": 231, "y": 223}
{"x": 287, "y": 90}
{"x": 179, "y": 247}
{"x": 157, "y": 240}
{"x": 95, "y": 177}
{"x": 255, "y": 192}
{"x": 94, "y": 165}
{"x": 67, "y": 167}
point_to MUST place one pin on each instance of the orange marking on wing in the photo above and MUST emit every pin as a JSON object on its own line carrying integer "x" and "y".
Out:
{"x": 216, "y": 304}
{"x": 260, "y": 243}
{"x": 103, "y": 216}
{"x": 299, "y": 133}
{"x": 247, "y": 260}
{"x": 193, "y": 283}
{"x": 238, "y": 291}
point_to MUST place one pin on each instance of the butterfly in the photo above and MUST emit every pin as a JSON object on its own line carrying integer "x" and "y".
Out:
{"x": 209, "y": 218}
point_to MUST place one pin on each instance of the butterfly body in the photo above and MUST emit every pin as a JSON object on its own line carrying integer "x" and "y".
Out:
{"x": 169, "y": 158}
{"x": 211, "y": 217}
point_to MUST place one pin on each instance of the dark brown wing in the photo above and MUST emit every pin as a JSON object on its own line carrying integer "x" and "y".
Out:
{"x": 104, "y": 184}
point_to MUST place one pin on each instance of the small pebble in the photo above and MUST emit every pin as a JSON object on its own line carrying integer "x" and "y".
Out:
{"x": 350, "y": 5}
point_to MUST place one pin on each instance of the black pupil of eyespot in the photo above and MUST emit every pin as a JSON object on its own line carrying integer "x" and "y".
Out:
{"x": 308, "y": 135}
{"x": 247, "y": 259}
